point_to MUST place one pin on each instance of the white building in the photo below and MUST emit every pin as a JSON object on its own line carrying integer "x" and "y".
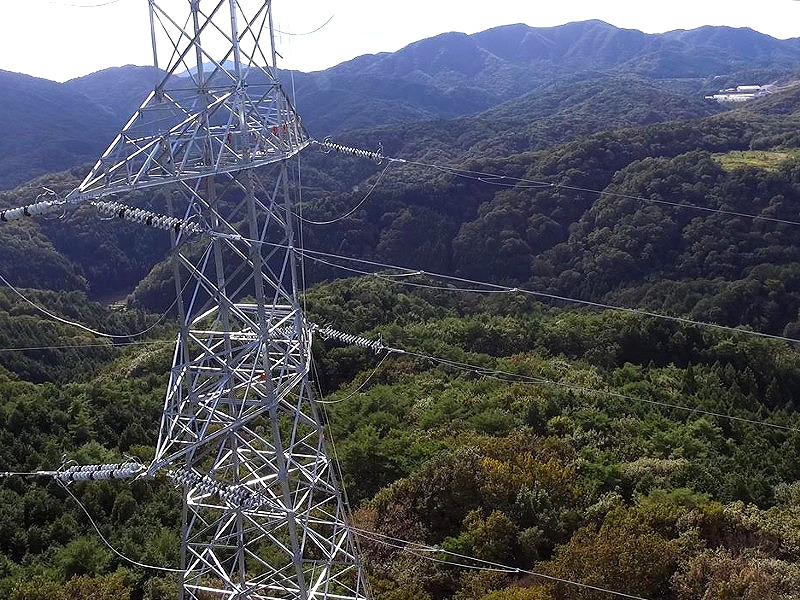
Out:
{"x": 740, "y": 93}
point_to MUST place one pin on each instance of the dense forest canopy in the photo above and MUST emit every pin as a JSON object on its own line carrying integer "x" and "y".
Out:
{"x": 647, "y": 457}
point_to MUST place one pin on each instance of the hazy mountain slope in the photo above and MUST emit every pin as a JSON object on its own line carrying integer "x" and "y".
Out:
{"x": 514, "y": 59}
{"x": 120, "y": 90}
{"x": 55, "y": 126}
{"x": 46, "y": 127}
{"x": 77, "y": 250}
{"x": 332, "y": 104}
{"x": 573, "y": 108}
{"x": 750, "y": 48}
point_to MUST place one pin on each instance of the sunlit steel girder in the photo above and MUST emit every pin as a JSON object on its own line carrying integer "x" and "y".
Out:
{"x": 264, "y": 517}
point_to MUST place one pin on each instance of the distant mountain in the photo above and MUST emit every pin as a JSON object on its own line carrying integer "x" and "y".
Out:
{"x": 46, "y": 127}
{"x": 749, "y": 48}
{"x": 514, "y": 59}
{"x": 576, "y": 107}
{"x": 53, "y": 126}
{"x": 455, "y": 74}
{"x": 119, "y": 90}
{"x": 208, "y": 68}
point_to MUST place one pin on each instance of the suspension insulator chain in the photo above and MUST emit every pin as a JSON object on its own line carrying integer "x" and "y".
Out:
{"x": 31, "y": 210}
{"x": 113, "y": 209}
{"x": 234, "y": 495}
{"x": 329, "y": 333}
{"x": 94, "y": 472}
{"x": 146, "y": 217}
{"x": 377, "y": 156}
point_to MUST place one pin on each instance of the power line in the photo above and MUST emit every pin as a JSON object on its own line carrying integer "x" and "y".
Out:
{"x": 88, "y": 329}
{"x": 493, "y": 288}
{"x": 510, "y": 377}
{"x": 110, "y": 346}
{"x": 337, "y": 463}
{"x": 289, "y": 33}
{"x": 107, "y": 543}
{"x": 497, "y": 179}
{"x": 352, "y": 210}
{"x": 482, "y": 565}
{"x": 363, "y": 383}
{"x": 527, "y": 379}
{"x": 376, "y": 537}
{"x": 486, "y": 287}
{"x": 500, "y": 180}
{"x": 71, "y": 5}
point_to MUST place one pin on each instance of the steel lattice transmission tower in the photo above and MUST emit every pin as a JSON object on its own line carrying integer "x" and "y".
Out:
{"x": 264, "y": 517}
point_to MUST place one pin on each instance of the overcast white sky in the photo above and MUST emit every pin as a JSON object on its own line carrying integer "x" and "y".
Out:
{"x": 62, "y": 39}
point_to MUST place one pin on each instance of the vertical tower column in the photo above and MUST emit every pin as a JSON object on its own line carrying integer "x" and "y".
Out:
{"x": 264, "y": 517}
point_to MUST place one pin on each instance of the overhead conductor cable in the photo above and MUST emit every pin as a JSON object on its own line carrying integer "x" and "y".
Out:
{"x": 509, "y": 377}
{"x": 501, "y": 180}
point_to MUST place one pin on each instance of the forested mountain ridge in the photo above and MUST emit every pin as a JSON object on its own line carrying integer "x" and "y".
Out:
{"x": 46, "y": 127}
{"x": 549, "y": 238}
{"x": 50, "y": 126}
{"x": 447, "y": 76}
{"x": 513, "y": 59}
{"x": 120, "y": 90}
{"x": 76, "y": 250}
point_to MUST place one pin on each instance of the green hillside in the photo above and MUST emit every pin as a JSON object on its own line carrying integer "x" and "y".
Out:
{"x": 650, "y": 458}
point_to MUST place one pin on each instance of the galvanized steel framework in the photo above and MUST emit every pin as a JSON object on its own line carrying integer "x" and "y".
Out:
{"x": 264, "y": 517}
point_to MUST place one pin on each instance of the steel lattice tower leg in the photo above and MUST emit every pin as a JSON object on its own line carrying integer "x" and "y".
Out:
{"x": 264, "y": 517}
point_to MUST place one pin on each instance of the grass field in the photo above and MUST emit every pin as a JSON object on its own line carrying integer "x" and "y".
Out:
{"x": 769, "y": 160}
